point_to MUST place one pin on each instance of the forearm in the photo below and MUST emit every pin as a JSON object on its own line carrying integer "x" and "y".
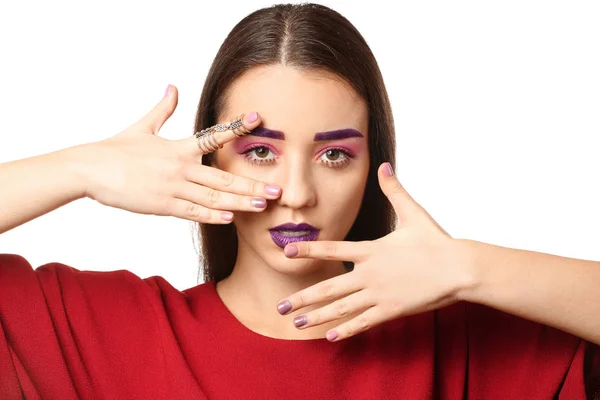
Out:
{"x": 34, "y": 186}
{"x": 553, "y": 290}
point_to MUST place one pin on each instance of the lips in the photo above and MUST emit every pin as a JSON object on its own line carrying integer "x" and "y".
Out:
{"x": 290, "y": 232}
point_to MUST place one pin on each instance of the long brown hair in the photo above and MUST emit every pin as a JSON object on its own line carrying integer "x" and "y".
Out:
{"x": 304, "y": 36}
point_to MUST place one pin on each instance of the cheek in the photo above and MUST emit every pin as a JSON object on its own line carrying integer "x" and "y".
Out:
{"x": 341, "y": 197}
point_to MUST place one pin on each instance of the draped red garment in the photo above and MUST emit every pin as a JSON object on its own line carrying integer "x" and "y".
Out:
{"x": 68, "y": 334}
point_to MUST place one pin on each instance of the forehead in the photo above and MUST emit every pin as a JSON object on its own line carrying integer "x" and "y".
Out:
{"x": 293, "y": 100}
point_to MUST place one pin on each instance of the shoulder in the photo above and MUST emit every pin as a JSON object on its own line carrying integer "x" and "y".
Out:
{"x": 78, "y": 292}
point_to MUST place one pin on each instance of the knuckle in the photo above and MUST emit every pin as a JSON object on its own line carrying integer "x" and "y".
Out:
{"x": 362, "y": 324}
{"x": 195, "y": 211}
{"x": 213, "y": 197}
{"x": 227, "y": 178}
{"x": 209, "y": 215}
{"x": 255, "y": 187}
{"x": 301, "y": 300}
{"x": 341, "y": 309}
{"x": 327, "y": 291}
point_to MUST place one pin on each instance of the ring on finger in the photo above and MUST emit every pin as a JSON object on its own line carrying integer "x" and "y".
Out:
{"x": 206, "y": 140}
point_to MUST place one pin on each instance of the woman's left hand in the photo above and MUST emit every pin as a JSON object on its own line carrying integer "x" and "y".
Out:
{"x": 416, "y": 268}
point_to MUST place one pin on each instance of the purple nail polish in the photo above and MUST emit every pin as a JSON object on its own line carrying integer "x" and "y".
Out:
{"x": 300, "y": 321}
{"x": 259, "y": 203}
{"x": 272, "y": 190}
{"x": 387, "y": 169}
{"x": 331, "y": 336}
{"x": 284, "y": 307}
{"x": 168, "y": 91}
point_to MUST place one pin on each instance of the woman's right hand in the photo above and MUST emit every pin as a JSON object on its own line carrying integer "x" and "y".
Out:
{"x": 138, "y": 171}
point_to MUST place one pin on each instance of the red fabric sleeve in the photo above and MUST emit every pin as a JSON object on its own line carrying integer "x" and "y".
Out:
{"x": 517, "y": 358}
{"x": 59, "y": 327}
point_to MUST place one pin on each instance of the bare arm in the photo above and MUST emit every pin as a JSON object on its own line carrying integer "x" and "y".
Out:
{"x": 35, "y": 186}
{"x": 135, "y": 170}
{"x": 553, "y": 290}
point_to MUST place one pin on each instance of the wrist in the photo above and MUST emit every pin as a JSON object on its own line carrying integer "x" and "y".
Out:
{"x": 75, "y": 160}
{"x": 466, "y": 255}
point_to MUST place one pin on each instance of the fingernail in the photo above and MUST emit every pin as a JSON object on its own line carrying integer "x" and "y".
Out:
{"x": 259, "y": 203}
{"x": 253, "y": 116}
{"x": 300, "y": 321}
{"x": 272, "y": 190}
{"x": 284, "y": 307}
{"x": 387, "y": 169}
{"x": 331, "y": 336}
{"x": 168, "y": 91}
{"x": 290, "y": 251}
{"x": 227, "y": 216}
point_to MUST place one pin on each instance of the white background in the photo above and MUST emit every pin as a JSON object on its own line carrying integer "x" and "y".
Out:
{"x": 496, "y": 107}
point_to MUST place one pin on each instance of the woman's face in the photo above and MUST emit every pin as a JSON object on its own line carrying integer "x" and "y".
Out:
{"x": 312, "y": 143}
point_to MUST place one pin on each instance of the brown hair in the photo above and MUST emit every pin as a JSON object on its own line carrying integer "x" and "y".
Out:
{"x": 304, "y": 36}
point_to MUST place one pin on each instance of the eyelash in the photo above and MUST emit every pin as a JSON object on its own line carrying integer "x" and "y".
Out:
{"x": 330, "y": 164}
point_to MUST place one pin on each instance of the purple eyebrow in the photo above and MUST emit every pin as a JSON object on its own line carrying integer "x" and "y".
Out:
{"x": 268, "y": 133}
{"x": 338, "y": 134}
{"x": 261, "y": 131}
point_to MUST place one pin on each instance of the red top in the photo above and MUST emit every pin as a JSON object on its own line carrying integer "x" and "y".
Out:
{"x": 68, "y": 334}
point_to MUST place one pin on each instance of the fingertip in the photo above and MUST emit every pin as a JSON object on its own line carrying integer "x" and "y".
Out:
{"x": 252, "y": 120}
{"x": 290, "y": 251}
{"x": 387, "y": 169}
{"x": 168, "y": 90}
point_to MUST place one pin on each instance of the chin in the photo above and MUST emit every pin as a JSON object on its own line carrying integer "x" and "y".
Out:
{"x": 295, "y": 267}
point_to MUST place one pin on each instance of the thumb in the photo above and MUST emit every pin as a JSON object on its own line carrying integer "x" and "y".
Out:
{"x": 155, "y": 119}
{"x": 406, "y": 208}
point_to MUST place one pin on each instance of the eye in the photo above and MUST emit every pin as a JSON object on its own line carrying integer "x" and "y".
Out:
{"x": 336, "y": 157}
{"x": 261, "y": 152}
{"x": 259, "y": 155}
{"x": 333, "y": 154}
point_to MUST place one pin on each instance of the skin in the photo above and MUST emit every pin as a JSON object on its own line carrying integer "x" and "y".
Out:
{"x": 417, "y": 268}
{"x": 321, "y": 190}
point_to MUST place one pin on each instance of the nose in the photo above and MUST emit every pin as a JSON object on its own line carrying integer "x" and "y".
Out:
{"x": 297, "y": 185}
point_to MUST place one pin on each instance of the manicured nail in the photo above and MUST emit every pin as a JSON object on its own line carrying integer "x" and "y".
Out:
{"x": 331, "y": 336}
{"x": 259, "y": 203}
{"x": 290, "y": 251}
{"x": 168, "y": 91}
{"x": 227, "y": 216}
{"x": 387, "y": 169}
{"x": 284, "y": 307}
{"x": 253, "y": 116}
{"x": 300, "y": 321}
{"x": 272, "y": 190}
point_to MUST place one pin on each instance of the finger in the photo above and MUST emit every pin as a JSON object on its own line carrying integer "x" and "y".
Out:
{"x": 218, "y": 200}
{"x": 250, "y": 121}
{"x": 194, "y": 212}
{"x": 327, "y": 290}
{"x": 155, "y": 119}
{"x": 361, "y": 323}
{"x": 339, "y": 309}
{"x": 328, "y": 250}
{"x": 227, "y": 182}
{"x": 406, "y": 208}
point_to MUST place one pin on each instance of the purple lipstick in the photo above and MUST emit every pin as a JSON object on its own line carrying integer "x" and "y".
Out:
{"x": 290, "y": 232}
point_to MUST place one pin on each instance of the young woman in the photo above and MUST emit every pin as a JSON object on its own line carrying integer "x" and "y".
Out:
{"x": 311, "y": 288}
